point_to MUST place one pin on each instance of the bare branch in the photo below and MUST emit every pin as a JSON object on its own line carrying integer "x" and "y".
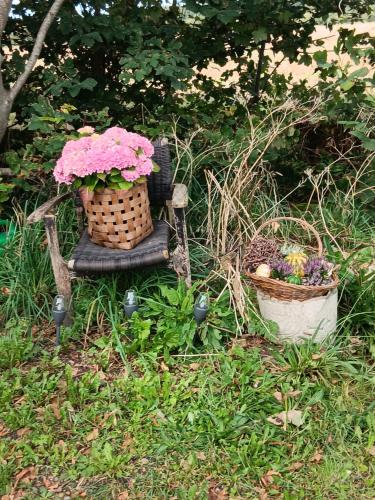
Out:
{"x": 36, "y": 49}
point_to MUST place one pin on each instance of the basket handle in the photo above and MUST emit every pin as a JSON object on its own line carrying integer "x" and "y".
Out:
{"x": 301, "y": 222}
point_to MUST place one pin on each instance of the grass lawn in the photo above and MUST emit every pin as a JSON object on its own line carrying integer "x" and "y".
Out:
{"x": 81, "y": 423}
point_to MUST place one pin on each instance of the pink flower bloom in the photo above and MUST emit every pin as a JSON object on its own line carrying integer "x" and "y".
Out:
{"x": 115, "y": 148}
{"x": 86, "y": 130}
{"x": 130, "y": 175}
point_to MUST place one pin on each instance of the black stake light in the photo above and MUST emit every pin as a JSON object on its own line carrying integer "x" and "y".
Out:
{"x": 58, "y": 314}
{"x": 201, "y": 308}
{"x": 130, "y": 303}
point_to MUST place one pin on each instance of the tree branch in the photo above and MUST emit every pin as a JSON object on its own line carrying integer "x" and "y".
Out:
{"x": 21, "y": 80}
{"x": 258, "y": 72}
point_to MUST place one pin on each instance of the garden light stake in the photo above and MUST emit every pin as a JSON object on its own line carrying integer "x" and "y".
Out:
{"x": 130, "y": 303}
{"x": 58, "y": 314}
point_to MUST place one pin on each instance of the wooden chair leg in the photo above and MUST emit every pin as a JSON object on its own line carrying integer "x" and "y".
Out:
{"x": 59, "y": 266}
{"x": 180, "y": 257}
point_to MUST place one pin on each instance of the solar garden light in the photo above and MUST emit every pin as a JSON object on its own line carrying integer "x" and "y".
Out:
{"x": 58, "y": 314}
{"x": 130, "y": 303}
{"x": 201, "y": 307}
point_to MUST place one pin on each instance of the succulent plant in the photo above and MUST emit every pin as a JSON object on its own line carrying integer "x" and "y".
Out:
{"x": 281, "y": 269}
{"x": 317, "y": 271}
{"x": 287, "y": 248}
{"x": 260, "y": 251}
{"x": 297, "y": 261}
{"x": 294, "y": 279}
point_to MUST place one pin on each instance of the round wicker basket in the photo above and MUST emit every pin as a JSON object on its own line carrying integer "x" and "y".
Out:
{"x": 118, "y": 218}
{"x": 287, "y": 291}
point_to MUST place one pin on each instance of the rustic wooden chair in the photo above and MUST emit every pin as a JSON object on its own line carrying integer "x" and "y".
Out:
{"x": 89, "y": 258}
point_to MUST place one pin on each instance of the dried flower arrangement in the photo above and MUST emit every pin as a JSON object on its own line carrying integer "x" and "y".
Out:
{"x": 288, "y": 263}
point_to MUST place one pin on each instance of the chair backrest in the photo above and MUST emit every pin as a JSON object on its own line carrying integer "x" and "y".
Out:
{"x": 160, "y": 183}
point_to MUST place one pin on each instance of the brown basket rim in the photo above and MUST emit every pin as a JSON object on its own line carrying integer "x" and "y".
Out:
{"x": 301, "y": 222}
{"x": 292, "y": 286}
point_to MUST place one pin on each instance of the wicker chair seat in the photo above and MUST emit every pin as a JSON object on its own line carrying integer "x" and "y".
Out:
{"x": 89, "y": 257}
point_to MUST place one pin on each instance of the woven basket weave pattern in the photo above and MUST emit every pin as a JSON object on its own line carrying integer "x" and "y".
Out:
{"x": 288, "y": 291}
{"x": 119, "y": 218}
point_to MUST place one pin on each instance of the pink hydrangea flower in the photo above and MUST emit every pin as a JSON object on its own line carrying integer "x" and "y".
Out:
{"x": 114, "y": 149}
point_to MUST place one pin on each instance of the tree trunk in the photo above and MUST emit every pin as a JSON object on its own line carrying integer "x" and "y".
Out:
{"x": 8, "y": 96}
{"x": 5, "y": 109}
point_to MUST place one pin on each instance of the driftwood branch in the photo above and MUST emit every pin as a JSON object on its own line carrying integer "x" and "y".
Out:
{"x": 44, "y": 209}
{"x": 44, "y": 27}
{"x": 59, "y": 266}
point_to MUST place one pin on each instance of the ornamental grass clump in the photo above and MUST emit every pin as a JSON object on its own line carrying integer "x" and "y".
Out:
{"x": 116, "y": 159}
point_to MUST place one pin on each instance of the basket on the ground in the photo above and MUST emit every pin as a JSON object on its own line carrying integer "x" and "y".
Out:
{"x": 118, "y": 218}
{"x": 282, "y": 290}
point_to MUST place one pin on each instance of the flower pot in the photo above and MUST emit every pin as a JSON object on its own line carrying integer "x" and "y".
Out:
{"x": 118, "y": 218}
{"x": 7, "y": 232}
{"x": 297, "y": 320}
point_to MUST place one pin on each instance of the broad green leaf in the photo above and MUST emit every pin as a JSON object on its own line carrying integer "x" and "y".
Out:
{"x": 125, "y": 185}
{"x": 260, "y": 34}
{"x": 358, "y": 73}
{"x": 320, "y": 57}
{"x": 346, "y": 85}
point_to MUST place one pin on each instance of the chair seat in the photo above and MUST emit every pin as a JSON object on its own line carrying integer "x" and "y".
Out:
{"x": 91, "y": 258}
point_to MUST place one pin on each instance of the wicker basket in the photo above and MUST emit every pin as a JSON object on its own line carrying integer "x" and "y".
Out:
{"x": 118, "y": 218}
{"x": 288, "y": 291}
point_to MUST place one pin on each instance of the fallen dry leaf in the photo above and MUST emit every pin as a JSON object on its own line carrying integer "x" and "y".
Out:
{"x": 287, "y": 417}
{"x": 92, "y": 435}
{"x": 371, "y": 451}
{"x": 23, "y": 431}
{"x": 50, "y": 485}
{"x": 316, "y": 356}
{"x": 355, "y": 341}
{"x": 296, "y": 466}
{"x": 25, "y": 475}
{"x": 3, "y": 430}
{"x": 267, "y": 479}
{"x": 128, "y": 441}
{"x": 278, "y": 396}
{"x": 56, "y": 409}
{"x": 216, "y": 492}
{"x": 164, "y": 367}
{"x": 201, "y": 455}
{"x": 123, "y": 495}
{"x": 194, "y": 366}
{"x": 317, "y": 457}
{"x": 263, "y": 495}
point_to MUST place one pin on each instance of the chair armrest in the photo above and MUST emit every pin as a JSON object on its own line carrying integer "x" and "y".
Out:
{"x": 44, "y": 209}
{"x": 180, "y": 196}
